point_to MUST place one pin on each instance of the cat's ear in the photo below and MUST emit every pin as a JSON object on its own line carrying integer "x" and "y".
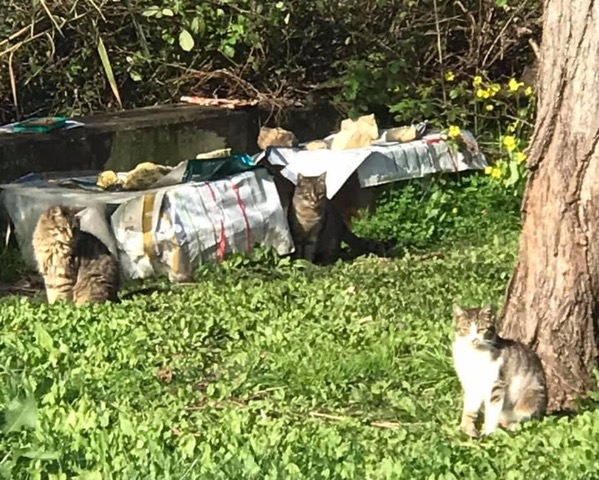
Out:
{"x": 458, "y": 312}
{"x": 75, "y": 215}
{"x": 300, "y": 178}
{"x": 488, "y": 312}
{"x": 75, "y": 222}
{"x": 53, "y": 211}
{"x": 322, "y": 177}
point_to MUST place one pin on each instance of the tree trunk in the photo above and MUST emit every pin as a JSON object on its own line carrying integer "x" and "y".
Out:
{"x": 553, "y": 298}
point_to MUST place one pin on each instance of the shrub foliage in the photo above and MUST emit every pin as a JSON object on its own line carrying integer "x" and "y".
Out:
{"x": 62, "y": 56}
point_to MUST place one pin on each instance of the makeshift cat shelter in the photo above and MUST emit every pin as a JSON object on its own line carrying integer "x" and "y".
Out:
{"x": 170, "y": 230}
{"x": 199, "y": 211}
{"x": 380, "y": 163}
{"x": 351, "y": 171}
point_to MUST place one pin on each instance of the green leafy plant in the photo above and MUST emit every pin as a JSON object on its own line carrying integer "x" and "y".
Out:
{"x": 153, "y": 51}
{"x": 440, "y": 211}
{"x": 514, "y": 107}
{"x": 272, "y": 369}
{"x": 20, "y": 414}
{"x": 501, "y": 117}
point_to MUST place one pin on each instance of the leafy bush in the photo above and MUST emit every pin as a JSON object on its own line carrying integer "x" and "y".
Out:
{"x": 268, "y": 369}
{"x": 74, "y": 56}
{"x": 440, "y": 211}
{"x": 502, "y": 118}
{"x": 399, "y": 59}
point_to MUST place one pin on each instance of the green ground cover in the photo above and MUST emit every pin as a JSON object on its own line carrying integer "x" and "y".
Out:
{"x": 271, "y": 370}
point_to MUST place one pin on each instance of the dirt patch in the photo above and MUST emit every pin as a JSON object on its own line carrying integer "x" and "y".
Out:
{"x": 27, "y": 285}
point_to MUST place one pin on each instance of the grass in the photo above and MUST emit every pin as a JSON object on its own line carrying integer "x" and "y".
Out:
{"x": 271, "y": 370}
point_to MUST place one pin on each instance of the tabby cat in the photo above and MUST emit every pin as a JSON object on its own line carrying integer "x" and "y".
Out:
{"x": 504, "y": 375}
{"x": 98, "y": 277}
{"x": 53, "y": 242}
{"x": 317, "y": 227}
{"x": 75, "y": 265}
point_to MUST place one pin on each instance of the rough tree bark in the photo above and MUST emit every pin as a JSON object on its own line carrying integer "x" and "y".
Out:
{"x": 553, "y": 298}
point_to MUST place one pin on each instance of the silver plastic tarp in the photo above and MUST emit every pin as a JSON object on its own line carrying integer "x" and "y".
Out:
{"x": 164, "y": 230}
{"x": 381, "y": 163}
{"x": 172, "y": 228}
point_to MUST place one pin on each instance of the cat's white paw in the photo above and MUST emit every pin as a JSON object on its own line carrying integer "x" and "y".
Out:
{"x": 512, "y": 427}
{"x": 470, "y": 430}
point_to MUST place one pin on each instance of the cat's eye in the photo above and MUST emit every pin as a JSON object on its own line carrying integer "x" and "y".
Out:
{"x": 463, "y": 329}
{"x": 489, "y": 332}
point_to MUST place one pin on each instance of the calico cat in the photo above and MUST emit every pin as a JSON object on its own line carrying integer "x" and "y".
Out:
{"x": 504, "y": 375}
{"x": 75, "y": 265}
{"x": 317, "y": 227}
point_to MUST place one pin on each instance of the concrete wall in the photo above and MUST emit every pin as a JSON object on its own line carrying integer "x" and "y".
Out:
{"x": 164, "y": 134}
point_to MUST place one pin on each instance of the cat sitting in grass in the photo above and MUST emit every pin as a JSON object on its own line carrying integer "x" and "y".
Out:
{"x": 75, "y": 265}
{"x": 317, "y": 227}
{"x": 503, "y": 375}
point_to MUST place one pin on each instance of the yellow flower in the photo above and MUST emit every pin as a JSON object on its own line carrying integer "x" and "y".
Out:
{"x": 528, "y": 91}
{"x": 514, "y": 85}
{"x": 478, "y": 80}
{"x": 454, "y": 131}
{"x": 482, "y": 93}
{"x": 449, "y": 76}
{"x": 496, "y": 173}
{"x": 521, "y": 157}
{"x": 494, "y": 88}
{"x": 489, "y": 108}
{"x": 509, "y": 142}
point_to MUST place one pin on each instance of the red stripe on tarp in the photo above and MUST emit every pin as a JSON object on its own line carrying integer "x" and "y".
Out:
{"x": 245, "y": 217}
{"x": 222, "y": 243}
{"x": 452, "y": 154}
{"x": 433, "y": 140}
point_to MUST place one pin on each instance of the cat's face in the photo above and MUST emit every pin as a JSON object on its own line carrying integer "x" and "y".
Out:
{"x": 475, "y": 325}
{"x": 64, "y": 218}
{"x": 312, "y": 190}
